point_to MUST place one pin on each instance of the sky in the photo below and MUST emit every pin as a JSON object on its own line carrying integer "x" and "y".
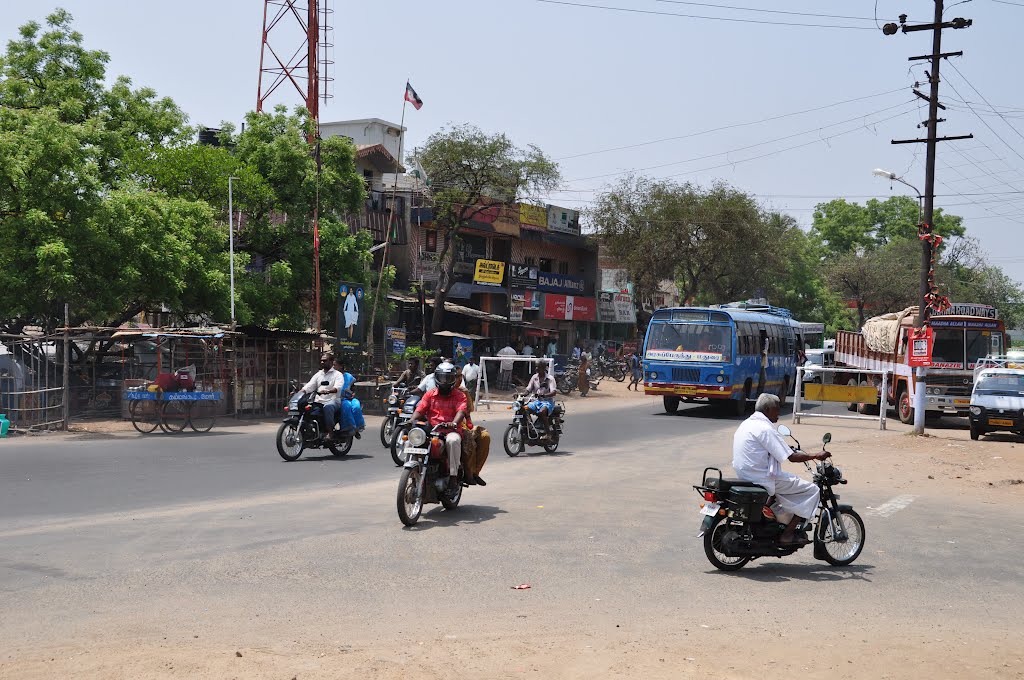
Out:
{"x": 796, "y": 115}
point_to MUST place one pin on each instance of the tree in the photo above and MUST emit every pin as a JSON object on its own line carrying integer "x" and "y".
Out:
{"x": 716, "y": 244}
{"x": 469, "y": 171}
{"x": 968, "y": 277}
{"x": 75, "y": 224}
{"x": 877, "y": 281}
{"x": 844, "y": 227}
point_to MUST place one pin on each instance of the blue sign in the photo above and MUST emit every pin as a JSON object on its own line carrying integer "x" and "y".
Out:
{"x": 561, "y": 283}
{"x": 462, "y": 350}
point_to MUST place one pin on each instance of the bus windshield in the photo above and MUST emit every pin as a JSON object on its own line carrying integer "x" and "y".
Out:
{"x": 689, "y": 342}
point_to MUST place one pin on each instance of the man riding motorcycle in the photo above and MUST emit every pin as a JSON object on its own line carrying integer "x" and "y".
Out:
{"x": 411, "y": 375}
{"x": 448, "y": 407}
{"x": 758, "y": 452}
{"x": 543, "y": 385}
{"x": 325, "y": 393}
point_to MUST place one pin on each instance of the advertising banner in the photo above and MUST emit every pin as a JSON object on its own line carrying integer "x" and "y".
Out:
{"x": 489, "y": 272}
{"x": 351, "y": 317}
{"x": 920, "y": 353}
{"x": 560, "y": 283}
{"x": 462, "y": 350}
{"x": 563, "y": 220}
{"x": 394, "y": 341}
{"x": 625, "y": 312}
{"x": 533, "y": 216}
{"x": 516, "y": 310}
{"x": 570, "y": 308}
{"x": 523, "y": 275}
{"x": 615, "y": 307}
{"x": 606, "y": 307}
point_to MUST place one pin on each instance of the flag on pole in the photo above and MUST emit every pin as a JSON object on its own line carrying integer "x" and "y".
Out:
{"x": 316, "y": 237}
{"x": 412, "y": 97}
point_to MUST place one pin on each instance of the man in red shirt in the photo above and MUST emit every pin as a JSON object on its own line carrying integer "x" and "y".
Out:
{"x": 444, "y": 405}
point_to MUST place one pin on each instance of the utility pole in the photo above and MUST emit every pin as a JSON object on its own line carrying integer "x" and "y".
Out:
{"x": 928, "y": 294}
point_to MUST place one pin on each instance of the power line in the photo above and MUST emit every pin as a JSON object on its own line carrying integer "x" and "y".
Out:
{"x": 970, "y": 85}
{"x": 1007, "y": 2}
{"x": 703, "y": 17}
{"x": 766, "y": 11}
{"x": 729, "y": 127}
{"x": 982, "y": 119}
{"x": 751, "y": 146}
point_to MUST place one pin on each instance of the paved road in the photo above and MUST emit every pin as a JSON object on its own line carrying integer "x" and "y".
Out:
{"x": 109, "y": 538}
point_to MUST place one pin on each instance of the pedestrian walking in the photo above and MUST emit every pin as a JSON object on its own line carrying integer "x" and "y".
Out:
{"x": 636, "y": 370}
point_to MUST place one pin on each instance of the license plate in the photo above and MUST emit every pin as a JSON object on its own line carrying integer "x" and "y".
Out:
{"x": 962, "y": 402}
{"x": 686, "y": 391}
{"x": 1000, "y": 421}
{"x": 410, "y": 451}
{"x": 710, "y": 509}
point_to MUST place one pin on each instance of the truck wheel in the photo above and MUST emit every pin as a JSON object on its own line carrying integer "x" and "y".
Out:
{"x": 905, "y": 407}
{"x": 867, "y": 409}
{"x": 852, "y": 406}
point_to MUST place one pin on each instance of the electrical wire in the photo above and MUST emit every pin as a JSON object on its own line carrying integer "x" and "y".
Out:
{"x": 751, "y": 146}
{"x": 970, "y": 85}
{"x": 771, "y": 11}
{"x": 699, "y": 16}
{"x": 729, "y": 127}
{"x": 982, "y": 119}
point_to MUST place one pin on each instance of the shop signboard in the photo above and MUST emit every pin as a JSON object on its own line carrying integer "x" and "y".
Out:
{"x": 563, "y": 220}
{"x": 516, "y": 309}
{"x": 560, "y": 283}
{"x": 970, "y": 309}
{"x": 523, "y": 275}
{"x": 395, "y": 341}
{"x": 531, "y": 300}
{"x": 489, "y": 272}
{"x": 606, "y": 306}
{"x": 625, "y": 312}
{"x": 570, "y": 308}
{"x": 351, "y": 317}
{"x": 533, "y": 216}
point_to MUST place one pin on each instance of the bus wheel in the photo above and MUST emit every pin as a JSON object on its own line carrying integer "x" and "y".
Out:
{"x": 671, "y": 404}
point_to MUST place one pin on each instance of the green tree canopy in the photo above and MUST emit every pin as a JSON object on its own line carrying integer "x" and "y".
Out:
{"x": 844, "y": 227}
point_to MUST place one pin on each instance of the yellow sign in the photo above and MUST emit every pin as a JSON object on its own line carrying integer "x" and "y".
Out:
{"x": 844, "y": 393}
{"x": 489, "y": 272}
{"x": 533, "y": 215}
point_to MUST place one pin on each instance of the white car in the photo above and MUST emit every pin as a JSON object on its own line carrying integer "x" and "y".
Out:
{"x": 825, "y": 358}
{"x": 997, "y": 401}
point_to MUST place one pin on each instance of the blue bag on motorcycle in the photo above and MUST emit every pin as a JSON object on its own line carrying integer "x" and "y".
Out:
{"x": 747, "y": 502}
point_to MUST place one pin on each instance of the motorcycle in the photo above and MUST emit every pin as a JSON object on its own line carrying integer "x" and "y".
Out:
{"x": 425, "y": 474}
{"x": 616, "y": 369}
{"x": 527, "y": 429}
{"x": 739, "y": 526}
{"x": 387, "y": 426}
{"x": 400, "y": 432}
{"x": 305, "y": 428}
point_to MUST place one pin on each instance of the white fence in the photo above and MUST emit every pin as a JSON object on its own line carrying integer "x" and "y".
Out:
{"x": 845, "y": 374}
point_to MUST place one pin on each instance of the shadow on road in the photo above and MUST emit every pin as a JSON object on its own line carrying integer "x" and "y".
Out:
{"x": 819, "y": 573}
{"x": 699, "y": 410}
{"x": 329, "y": 456}
{"x": 464, "y": 514}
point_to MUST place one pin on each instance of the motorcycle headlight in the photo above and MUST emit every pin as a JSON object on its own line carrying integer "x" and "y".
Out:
{"x": 976, "y": 410}
{"x": 518, "y": 406}
{"x": 417, "y": 437}
{"x": 392, "y": 400}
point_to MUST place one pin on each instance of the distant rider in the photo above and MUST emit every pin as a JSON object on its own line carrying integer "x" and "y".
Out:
{"x": 411, "y": 375}
{"x": 758, "y": 452}
{"x": 542, "y": 385}
{"x": 448, "y": 407}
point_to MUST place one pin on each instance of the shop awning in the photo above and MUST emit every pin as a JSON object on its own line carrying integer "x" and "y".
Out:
{"x": 455, "y": 309}
{"x": 464, "y": 336}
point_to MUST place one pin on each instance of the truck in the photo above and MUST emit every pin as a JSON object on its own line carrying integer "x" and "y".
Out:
{"x": 962, "y": 336}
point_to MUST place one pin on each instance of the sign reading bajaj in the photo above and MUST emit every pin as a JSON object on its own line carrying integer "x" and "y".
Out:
{"x": 560, "y": 283}
{"x": 489, "y": 272}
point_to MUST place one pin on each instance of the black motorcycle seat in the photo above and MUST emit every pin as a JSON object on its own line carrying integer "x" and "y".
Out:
{"x": 725, "y": 484}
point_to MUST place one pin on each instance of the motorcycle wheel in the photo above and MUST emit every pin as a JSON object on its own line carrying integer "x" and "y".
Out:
{"x": 410, "y": 503}
{"x": 343, "y": 448}
{"x": 513, "y": 440}
{"x": 398, "y": 447}
{"x": 713, "y": 547}
{"x": 619, "y": 374}
{"x": 843, "y": 553}
{"x": 566, "y": 385}
{"x": 387, "y": 427}
{"x": 288, "y": 451}
{"x": 552, "y": 445}
{"x": 451, "y": 502}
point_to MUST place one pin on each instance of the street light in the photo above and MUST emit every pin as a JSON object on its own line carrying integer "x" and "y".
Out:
{"x": 892, "y": 177}
{"x": 231, "y": 247}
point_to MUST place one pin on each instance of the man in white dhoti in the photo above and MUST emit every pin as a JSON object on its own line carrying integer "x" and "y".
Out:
{"x": 758, "y": 452}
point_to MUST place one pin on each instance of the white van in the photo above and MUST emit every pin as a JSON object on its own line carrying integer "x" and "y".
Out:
{"x": 997, "y": 401}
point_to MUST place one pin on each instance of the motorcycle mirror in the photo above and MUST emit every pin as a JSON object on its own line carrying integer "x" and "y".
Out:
{"x": 826, "y": 439}
{"x": 785, "y": 431}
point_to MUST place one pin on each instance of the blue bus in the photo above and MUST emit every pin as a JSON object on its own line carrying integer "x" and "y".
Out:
{"x": 725, "y": 354}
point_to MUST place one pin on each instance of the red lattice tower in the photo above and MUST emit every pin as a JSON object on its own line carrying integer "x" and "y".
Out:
{"x": 300, "y": 29}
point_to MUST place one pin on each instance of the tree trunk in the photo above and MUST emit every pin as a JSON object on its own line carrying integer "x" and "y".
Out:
{"x": 860, "y": 312}
{"x": 447, "y": 267}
